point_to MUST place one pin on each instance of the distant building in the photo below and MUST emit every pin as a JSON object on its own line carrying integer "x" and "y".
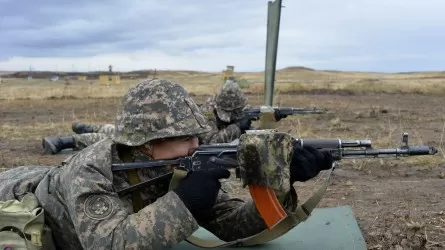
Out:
{"x": 109, "y": 79}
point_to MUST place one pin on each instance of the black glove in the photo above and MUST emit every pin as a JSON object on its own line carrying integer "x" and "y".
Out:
{"x": 278, "y": 115}
{"x": 244, "y": 124}
{"x": 199, "y": 190}
{"x": 307, "y": 162}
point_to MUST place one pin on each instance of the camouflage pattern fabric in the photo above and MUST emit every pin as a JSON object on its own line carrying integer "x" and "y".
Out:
{"x": 230, "y": 102}
{"x": 264, "y": 159}
{"x": 222, "y": 111}
{"x": 82, "y": 141}
{"x": 158, "y": 110}
{"x": 18, "y": 181}
{"x": 100, "y": 131}
{"x": 102, "y": 128}
{"x": 221, "y": 132}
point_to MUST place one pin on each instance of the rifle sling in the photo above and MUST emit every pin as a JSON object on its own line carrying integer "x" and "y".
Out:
{"x": 133, "y": 179}
{"x": 125, "y": 191}
{"x": 301, "y": 214}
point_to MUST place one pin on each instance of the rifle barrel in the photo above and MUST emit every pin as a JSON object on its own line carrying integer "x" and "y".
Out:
{"x": 408, "y": 151}
{"x": 302, "y": 110}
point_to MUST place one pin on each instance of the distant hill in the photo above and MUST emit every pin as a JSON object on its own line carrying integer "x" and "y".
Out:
{"x": 137, "y": 74}
{"x": 296, "y": 68}
{"x": 132, "y": 74}
{"x": 95, "y": 74}
{"x": 3, "y": 73}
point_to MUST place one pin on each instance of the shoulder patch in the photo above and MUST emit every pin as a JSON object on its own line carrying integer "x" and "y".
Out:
{"x": 98, "y": 207}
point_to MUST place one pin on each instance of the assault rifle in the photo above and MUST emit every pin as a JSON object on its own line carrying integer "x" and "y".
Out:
{"x": 253, "y": 114}
{"x": 224, "y": 155}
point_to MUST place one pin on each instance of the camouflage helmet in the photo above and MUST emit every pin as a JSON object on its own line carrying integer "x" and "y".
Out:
{"x": 157, "y": 109}
{"x": 230, "y": 101}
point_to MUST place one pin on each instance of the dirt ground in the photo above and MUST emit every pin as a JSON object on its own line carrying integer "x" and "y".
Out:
{"x": 399, "y": 203}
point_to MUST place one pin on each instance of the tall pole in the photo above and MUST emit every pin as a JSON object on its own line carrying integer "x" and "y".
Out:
{"x": 273, "y": 28}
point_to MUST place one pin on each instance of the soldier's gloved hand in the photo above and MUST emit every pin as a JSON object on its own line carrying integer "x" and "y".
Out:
{"x": 278, "y": 115}
{"x": 244, "y": 124}
{"x": 199, "y": 190}
{"x": 307, "y": 162}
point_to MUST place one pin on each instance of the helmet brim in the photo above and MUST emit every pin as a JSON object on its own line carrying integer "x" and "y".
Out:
{"x": 185, "y": 127}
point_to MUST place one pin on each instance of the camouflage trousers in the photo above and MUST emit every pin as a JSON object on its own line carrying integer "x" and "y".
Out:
{"x": 102, "y": 128}
{"x": 100, "y": 132}
{"x": 82, "y": 141}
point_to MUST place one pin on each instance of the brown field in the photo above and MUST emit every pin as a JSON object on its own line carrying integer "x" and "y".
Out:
{"x": 399, "y": 203}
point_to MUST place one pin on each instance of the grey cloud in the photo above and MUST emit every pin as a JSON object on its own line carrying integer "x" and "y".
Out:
{"x": 112, "y": 26}
{"x": 326, "y": 34}
{"x": 47, "y": 27}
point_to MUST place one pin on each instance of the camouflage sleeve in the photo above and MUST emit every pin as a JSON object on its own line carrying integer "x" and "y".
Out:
{"x": 233, "y": 218}
{"x": 208, "y": 104}
{"x": 102, "y": 220}
{"x": 224, "y": 135}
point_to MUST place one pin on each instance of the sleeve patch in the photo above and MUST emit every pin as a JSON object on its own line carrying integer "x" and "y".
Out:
{"x": 98, "y": 207}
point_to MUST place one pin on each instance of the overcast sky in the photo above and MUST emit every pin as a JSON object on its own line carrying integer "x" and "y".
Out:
{"x": 365, "y": 35}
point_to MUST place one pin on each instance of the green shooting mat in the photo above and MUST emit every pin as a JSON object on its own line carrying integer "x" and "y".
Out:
{"x": 327, "y": 228}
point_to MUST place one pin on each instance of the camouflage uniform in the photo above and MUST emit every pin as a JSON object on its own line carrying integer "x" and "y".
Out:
{"x": 96, "y": 133}
{"x": 82, "y": 141}
{"x": 79, "y": 197}
{"x": 78, "y": 141}
{"x": 222, "y": 111}
{"x": 102, "y": 128}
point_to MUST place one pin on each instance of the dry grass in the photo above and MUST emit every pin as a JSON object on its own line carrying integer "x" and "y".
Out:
{"x": 200, "y": 83}
{"x": 41, "y": 89}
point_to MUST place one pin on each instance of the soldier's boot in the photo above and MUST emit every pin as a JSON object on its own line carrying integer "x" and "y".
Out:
{"x": 53, "y": 145}
{"x": 81, "y": 128}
